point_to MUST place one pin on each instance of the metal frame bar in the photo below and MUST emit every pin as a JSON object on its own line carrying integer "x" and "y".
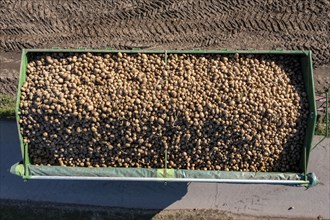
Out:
{"x": 293, "y": 182}
{"x": 307, "y": 71}
{"x": 308, "y": 80}
{"x": 326, "y": 120}
{"x": 193, "y": 51}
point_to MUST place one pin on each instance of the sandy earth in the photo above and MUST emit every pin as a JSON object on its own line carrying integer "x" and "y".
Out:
{"x": 241, "y": 199}
{"x": 13, "y": 209}
{"x": 158, "y": 24}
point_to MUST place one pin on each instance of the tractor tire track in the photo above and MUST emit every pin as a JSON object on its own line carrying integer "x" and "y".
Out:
{"x": 169, "y": 24}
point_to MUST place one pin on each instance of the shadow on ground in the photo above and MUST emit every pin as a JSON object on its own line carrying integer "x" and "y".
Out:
{"x": 124, "y": 194}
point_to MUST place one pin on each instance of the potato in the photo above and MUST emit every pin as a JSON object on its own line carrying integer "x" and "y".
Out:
{"x": 209, "y": 112}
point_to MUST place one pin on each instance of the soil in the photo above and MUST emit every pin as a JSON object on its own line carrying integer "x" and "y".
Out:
{"x": 9, "y": 72}
{"x": 11, "y": 209}
{"x": 158, "y": 24}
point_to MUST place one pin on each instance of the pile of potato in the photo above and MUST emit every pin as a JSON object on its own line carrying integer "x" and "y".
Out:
{"x": 206, "y": 112}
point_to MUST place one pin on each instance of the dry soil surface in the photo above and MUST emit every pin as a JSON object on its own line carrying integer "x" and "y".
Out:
{"x": 164, "y": 24}
{"x": 13, "y": 209}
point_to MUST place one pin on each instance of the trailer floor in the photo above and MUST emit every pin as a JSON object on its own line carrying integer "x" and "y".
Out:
{"x": 231, "y": 201}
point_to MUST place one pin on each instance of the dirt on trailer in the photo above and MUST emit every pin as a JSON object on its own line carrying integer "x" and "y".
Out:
{"x": 159, "y": 24}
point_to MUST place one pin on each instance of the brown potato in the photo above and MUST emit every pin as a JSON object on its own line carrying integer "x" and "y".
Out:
{"x": 219, "y": 112}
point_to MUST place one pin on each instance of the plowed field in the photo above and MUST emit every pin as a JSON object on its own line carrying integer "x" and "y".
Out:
{"x": 164, "y": 24}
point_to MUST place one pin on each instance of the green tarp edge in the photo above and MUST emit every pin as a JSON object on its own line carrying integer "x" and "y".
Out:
{"x": 156, "y": 173}
{"x": 17, "y": 169}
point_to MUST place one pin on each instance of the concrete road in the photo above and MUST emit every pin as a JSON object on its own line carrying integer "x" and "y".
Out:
{"x": 259, "y": 200}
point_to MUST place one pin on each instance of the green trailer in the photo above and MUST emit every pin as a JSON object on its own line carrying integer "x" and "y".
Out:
{"x": 28, "y": 171}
